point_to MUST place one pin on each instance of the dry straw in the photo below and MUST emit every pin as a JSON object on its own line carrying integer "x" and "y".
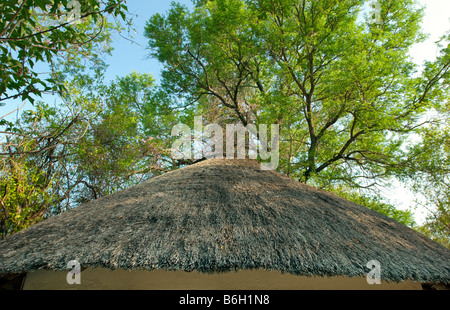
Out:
{"x": 224, "y": 215}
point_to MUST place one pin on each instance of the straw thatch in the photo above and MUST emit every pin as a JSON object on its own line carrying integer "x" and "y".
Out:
{"x": 222, "y": 215}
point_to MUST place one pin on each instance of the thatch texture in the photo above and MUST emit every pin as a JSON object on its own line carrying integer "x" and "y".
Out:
{"x": 222, "y": 215}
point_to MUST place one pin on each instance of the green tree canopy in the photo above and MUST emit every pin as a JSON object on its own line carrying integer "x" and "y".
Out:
{"x": 344, "y": 90}
{"x": 98, "y": 140}
{"x": 44, "y": 31}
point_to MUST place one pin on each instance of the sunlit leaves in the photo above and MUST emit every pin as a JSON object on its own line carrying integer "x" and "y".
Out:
{"x": 36, "y": 32}
{"x": 342, "y": 89}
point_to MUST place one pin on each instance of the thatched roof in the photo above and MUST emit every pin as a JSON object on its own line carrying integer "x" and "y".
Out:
{"x": 222, "y": 215}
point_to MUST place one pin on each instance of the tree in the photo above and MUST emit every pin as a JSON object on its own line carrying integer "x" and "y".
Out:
{"x": 124, "y": 143}
{"x": 35, "y": 177}
{"x": 429, "y": 175}
{"x": 96, "y": 140}
{"x": 43, "y": 31}
{"x": 343, "y": 91}
{"x": 33, "y": 168}
{"x": 100, "y": 139}
{"x": 428, "y": 164}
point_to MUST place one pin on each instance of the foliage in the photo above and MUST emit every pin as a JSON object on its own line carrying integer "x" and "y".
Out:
{"x": 123, "y": 144}
{"x": 35, "y": 176}
{"x": 437, "y": 226}
{"x": 343, "y": 91}
{"x": 428, "y": 160}
{"x": 33, "y": 32}
{"x": 33, "y": 165}
{"x": 25, "y": 196}
{"x": 429, "y": 175}
{"x": 92, "y": 145}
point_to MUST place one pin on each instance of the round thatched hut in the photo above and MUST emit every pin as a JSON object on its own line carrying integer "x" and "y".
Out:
{"x": 222, "y": 224}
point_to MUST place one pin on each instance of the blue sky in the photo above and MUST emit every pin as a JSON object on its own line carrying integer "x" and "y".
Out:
{"x": 127, "y": 56}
